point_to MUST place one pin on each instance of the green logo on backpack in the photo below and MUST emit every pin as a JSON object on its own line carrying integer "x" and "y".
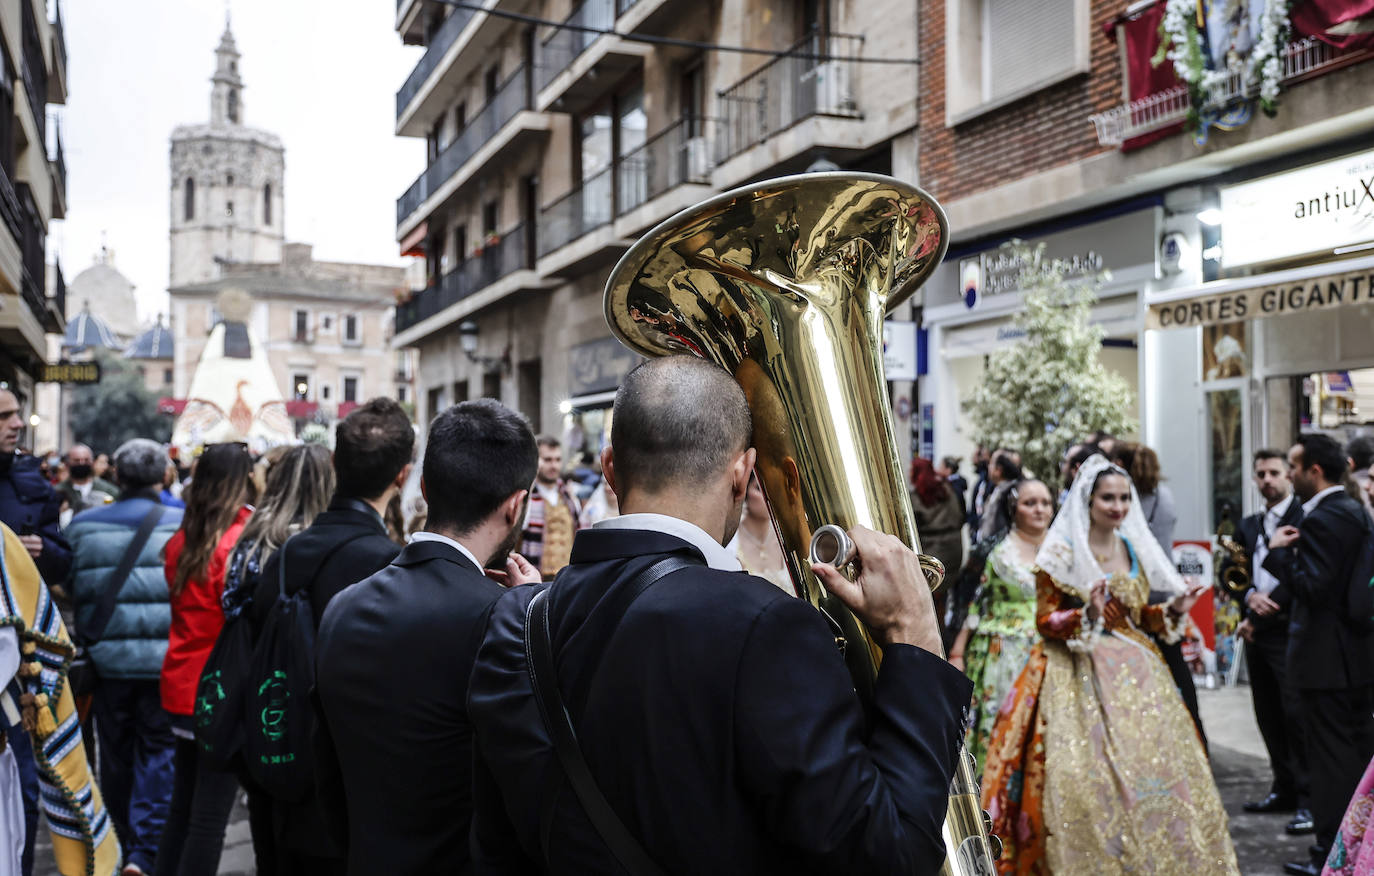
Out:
{"x": 275, "y": 691}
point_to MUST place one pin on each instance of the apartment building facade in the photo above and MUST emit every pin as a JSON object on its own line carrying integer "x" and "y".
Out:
{"x": 33, "y": 188}
{"x": 1050, "y": 123}
{"x": 551, "y": 149}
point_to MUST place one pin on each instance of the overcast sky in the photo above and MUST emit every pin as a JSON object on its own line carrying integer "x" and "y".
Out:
{"x": 321, "y": 74}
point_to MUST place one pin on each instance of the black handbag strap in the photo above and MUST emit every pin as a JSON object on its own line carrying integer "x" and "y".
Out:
{"x": 539, "y": 655}
{"x": 104, "y": 610}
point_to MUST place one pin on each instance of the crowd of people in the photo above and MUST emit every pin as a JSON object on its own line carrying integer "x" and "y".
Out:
{"x": 559, "y": 669}
{"x": 1039, "y": 606}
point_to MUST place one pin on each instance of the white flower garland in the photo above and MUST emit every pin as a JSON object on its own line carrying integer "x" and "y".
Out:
{"x": 1182, "y": 44}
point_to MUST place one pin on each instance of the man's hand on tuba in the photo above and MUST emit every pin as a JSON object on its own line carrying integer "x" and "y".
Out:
{"x": 889, "y": 594}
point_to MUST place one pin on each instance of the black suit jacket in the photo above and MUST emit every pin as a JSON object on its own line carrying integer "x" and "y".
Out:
{"x": 392, "y": 664}
{"x": 344, "y": 544}
{"x": 1324, "y": 653}
{"x": 718, "y": 719}
{"x": 1248, "y": 534}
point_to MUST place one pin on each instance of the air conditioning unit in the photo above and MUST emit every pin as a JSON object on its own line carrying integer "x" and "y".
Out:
{"x": 696, "y": 153}
{"x": 834, "y": 90}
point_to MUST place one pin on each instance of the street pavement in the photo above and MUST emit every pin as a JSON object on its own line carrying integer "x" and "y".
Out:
{"x": 1238, "y": 760}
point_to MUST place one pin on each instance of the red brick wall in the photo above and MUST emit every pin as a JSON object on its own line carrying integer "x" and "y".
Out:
{"x": 1047, "y": 129}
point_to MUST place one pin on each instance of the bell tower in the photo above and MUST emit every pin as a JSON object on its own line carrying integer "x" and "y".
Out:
{"x": 226, "y": 183}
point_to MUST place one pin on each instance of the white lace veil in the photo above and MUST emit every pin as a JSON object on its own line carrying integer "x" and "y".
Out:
{"x": 1067, "y": 557}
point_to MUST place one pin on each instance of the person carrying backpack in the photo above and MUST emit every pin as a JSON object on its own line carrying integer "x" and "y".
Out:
{"x": 1330, "y": 643}
{"x": 217, "y": 509}
{"x": 348, "y": 542}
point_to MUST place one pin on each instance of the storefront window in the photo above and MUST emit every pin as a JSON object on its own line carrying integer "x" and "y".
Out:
{"x": 1226, "y": 421}
{"x": 585, "y": 432}
{"x": 1340, "y": 400}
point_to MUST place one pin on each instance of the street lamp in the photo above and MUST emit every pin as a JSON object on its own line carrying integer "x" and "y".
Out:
{"x": 34, "y": 420}
{"x": 467, "y": 340}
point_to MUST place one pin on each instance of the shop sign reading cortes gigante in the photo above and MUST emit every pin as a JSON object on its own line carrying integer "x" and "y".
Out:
{"x": 1239, "y": 302}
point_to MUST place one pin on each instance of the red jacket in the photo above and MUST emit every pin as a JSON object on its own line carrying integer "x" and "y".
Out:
{"x": 197, "y": 618}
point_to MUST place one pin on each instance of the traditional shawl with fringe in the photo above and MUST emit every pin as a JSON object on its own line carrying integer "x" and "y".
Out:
{"x": 83, "y": 837}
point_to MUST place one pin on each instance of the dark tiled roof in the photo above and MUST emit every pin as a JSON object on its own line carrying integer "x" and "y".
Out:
{"x": 88, "y": 330}
{"x": 155, "y": 343}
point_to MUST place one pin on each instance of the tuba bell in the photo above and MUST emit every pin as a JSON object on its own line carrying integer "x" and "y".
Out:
{"x": 1236, "y": 578}
{"x": 785, "y": 284}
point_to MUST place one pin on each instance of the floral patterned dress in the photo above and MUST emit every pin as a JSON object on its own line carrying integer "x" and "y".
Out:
{"x": 1350, "y": 854}
{"x": 1094, "y": 766}
{"x": 1002, "y": 625}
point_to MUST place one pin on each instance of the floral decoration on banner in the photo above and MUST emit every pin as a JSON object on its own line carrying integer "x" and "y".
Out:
{"x": 1219, "y": 88}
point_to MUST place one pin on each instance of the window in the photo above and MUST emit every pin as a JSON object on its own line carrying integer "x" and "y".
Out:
{"x": 229, "y": 180}
{"x": 229, "y": 208}
{"x": 490, "y": 212}
{"x": 351, "y": 328}
{"x": 326, "y": 322}
{"x": 189, "y": 196}
{"x": 233, "y": 107}
{"x": 491, "y": 386}
{"x": 350, "y": 389}
{"x": 167, "y": 376}
{"x": 432, "y": 142}
{"x": 401, "y": 394}
{"x": 692, "y": 97}
{"x": 324, "y": 392}
{"x": 267, "y": 204}
{"x": 460, "y": 118}
{"x": 490, "y": 82}
{"x": 460, "y": 392}
{"x": 460, "y": 244}
{"x": 302, "y": 325}
{"x": 300, "y": 387}
{"x": 1001, "y": 50}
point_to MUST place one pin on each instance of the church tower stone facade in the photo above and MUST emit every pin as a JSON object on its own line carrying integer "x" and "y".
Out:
{"x": 227, "y": 184}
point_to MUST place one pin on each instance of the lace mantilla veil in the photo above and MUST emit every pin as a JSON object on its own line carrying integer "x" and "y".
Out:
{"x": 1067, "y": 557}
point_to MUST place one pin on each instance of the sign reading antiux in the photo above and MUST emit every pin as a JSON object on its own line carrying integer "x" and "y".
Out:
{"x": 69, "y": 372}
{"x": 1348, "y": 289}
{"x": 1309, "y": 210}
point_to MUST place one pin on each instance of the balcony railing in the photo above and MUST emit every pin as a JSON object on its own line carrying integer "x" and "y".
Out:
{"x": 58, "y": 32}
{"x": 59, "y": 163}
{"x": 812, "y": 79}
{"x": 35, "y": 71}
{"x": 31, "y": 246}
{"x": 557, "y": 52}
{"x": 443, "y": 38}
{"x": 585, "y": 208}
{"x": 1303, "y": 59}
{"x": 678, "y": 154}
{"x": 496, "y": 260}
{"x": 624, "y": 6}
{"x": 510, "y": 98}
{"x": 59, "y": 289}
{"x": 10, "y": 211}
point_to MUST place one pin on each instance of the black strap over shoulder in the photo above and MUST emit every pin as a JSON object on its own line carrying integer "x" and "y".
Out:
{"x": 543, "y": 678}
{"x": 109, "y": 597}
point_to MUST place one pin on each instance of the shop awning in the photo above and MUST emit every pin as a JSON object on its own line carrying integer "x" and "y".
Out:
{"x": 1327, "y": 286}
{"x": 413, "y": 243}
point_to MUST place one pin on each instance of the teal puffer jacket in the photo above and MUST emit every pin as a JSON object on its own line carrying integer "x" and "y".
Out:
{"x": 135, "y": 640}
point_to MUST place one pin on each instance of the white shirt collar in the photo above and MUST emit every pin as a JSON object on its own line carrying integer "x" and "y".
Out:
{"x": 1280, "y": 508}
{"x": 444, "y": 539}
{"x": 717, "y": 557}
{"x": 1311, "y": 504}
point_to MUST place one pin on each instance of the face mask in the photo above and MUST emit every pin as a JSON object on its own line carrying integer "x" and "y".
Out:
{"x": 81, "y": 472}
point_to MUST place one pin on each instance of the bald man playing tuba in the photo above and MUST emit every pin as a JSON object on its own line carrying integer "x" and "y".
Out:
{"x": 655, "y": 710}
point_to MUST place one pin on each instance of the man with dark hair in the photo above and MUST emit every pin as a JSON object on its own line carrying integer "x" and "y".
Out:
{"x": 397, "y": 718}
{"x": 1003, "y": 471}
{"x": 1267, "y": 608}
{"x": 552, "y": 517}
{"x": 345, "y": 543}
{"x": 1330, "y": 662}
{"x": 713, "y": 711}
{"x": 1360, "y": 455}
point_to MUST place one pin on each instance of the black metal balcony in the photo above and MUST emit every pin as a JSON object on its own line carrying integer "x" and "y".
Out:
{"x": 510, "y": 98}
{"x": 59, "y": 165}
{"x": 35, "y": 71}
{"x": 812, "y": 79}
{"x": 585, "y": 208}
{"x": 10, "y": 211}
{"x": 496, "y": 260}
{"x": 59, "y": 290}
{"x": 676, "y": 155}
{"x": 58, "y": 33}
{"x": 557, "y": 52}
{"x": 443, "y": 39}
{"x": 624, "y": 6}
{"x": 31, "y": 247}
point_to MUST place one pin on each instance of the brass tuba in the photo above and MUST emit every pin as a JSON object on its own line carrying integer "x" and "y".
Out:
{"x": 785, "y": 284}
{"x": 1236, "y": 578}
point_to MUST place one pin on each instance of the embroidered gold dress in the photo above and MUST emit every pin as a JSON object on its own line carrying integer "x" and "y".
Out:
{"x": 1094, "y": 765}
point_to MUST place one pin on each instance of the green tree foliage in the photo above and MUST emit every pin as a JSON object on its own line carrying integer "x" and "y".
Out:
{"x": 119, "y": 407}
{"x": 1050, "y": 388}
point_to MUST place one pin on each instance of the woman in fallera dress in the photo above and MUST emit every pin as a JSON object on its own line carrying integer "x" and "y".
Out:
{"x": 997, "y": 636}
{"x": 1094, "y": 765}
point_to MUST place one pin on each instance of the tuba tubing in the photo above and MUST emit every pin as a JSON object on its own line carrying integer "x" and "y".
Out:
{"x": 785, "y": 284}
